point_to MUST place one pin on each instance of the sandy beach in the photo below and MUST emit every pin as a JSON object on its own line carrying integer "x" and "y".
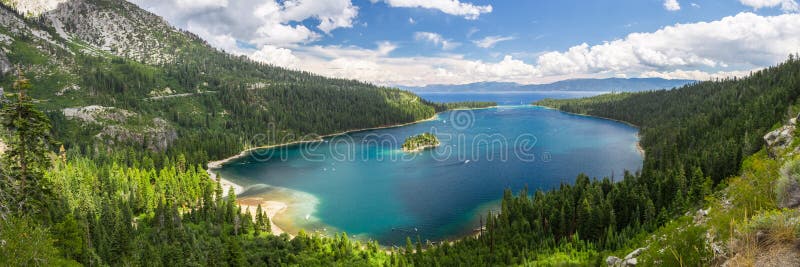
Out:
{"x": 639, "y": 145}
{"x": 270, "y": 207}
{"x": 226, "y": 185}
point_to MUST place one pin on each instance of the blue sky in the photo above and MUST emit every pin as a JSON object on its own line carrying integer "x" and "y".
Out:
{"x": 418, "y": 42}
{"x": 536, "y": 25}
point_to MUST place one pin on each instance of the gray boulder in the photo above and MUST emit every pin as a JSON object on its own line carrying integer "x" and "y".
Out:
{"x": 779, "y": 138}
{"x": 612, "y": 261}
{"x": 5, "y": 65}
{"x": 700, "y": 216}
{"x": 629, "y": 260}
{"x": 634, "y": 253}
{"x": 791, "y": 195}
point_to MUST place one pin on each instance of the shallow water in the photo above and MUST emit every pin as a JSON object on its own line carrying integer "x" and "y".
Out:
{"x": 362, "y": 183}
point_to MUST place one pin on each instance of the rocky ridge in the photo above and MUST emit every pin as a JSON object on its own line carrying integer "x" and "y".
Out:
{"x": 156, "y": 134}
{"x": 118, "y": 30}
{"x": 97, "y": 28}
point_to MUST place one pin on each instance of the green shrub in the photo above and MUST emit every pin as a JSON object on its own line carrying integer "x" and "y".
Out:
{"x": 790, "y": 177}
{"x": 25, "y": 243}
{"x": 679, "y": 243}
{"x": 776, "y": 226}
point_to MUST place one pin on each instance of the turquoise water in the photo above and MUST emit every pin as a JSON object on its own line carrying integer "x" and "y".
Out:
{"x": 362, "y": 183}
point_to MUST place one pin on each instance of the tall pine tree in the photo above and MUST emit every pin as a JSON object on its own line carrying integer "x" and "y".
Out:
{"x": 26, "y": 159}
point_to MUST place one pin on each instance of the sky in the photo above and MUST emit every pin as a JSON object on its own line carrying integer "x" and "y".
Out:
{"x": 421, "y": 42}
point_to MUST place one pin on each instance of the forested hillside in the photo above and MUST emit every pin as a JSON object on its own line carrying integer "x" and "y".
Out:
{"x": 715, "y": 124}
{"x": 696, "y": 137}
{"x": 179, "y": 96}
{"x": 128, "y": 186}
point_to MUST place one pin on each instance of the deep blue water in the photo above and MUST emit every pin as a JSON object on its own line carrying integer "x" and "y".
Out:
{"x": 362, "y": 183}
{"x": 506, "y": 98}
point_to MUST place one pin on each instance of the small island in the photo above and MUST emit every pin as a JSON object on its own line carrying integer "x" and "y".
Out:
{"x": 420, "y": 142}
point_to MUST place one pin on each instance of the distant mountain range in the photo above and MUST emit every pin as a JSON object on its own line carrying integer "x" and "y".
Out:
{"x": 608, "y": 84}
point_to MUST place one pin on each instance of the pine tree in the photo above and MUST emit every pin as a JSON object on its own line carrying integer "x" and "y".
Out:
{"x": 259, "y": 221}
{"x": 409, "y": 246}
{"x": 27, "y": 157}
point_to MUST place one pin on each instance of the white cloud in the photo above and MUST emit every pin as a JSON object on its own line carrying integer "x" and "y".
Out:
{"x": 436, "y": 39}
{"x": 276, "y": 56}
{"x": 785, "y": 5}
{"x": 672, "y": 5}
{"x": 744, "y": 41}
{"x": 378, "y": 66}
{"x": 452, "y": 7}
{"x": 732, "y": 46}
{"x": 332, "y": 14}
{"x": 223, "y": 41}
{"x": 268, "y": 22}
{"x": 490, "y": 41}
{"x": 695, "y": 74}
{"x": 472, "y": 31}
{"x": 695, "y": 5}
{"x": 199, "y": 4}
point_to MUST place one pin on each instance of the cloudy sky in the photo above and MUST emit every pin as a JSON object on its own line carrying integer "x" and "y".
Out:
{"x": 419, "y": 42}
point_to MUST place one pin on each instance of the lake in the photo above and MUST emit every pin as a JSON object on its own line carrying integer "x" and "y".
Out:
{"x": 363, "y": 184}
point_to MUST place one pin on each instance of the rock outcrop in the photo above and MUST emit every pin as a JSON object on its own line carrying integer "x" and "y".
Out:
{"x": 126, "y": 31}
{"x": 780, "y": 138}
{"x": 156, "y": 137}
{"x": 791, "y": 195}
{"x": 629, "y": 260}
{"x": 118, "y": 126}
{"x": 5, "y": 65}
{"x": 35, "y": 8}
{"x": 97, "y": 114}
{"x": 700, "y": 216}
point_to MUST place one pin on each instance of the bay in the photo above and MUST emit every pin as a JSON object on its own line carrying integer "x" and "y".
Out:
{"x": 363, "y": 184}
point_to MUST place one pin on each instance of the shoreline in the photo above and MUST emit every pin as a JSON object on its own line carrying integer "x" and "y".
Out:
{"x": 272, "y": 207}
{"x": 639, "y": 145}
{"x": 219, "y": 163}
{"x": 420, "y": 149}
{"x": 490, "y": 107}
{"x": 592, "y": 116}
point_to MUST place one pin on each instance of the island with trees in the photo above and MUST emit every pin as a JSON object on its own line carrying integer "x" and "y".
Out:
{"x": 420, "y": 142}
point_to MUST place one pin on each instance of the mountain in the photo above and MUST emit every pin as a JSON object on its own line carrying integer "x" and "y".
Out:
{"x": 114, "y": 77}
{"x": 599, "y": 85}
